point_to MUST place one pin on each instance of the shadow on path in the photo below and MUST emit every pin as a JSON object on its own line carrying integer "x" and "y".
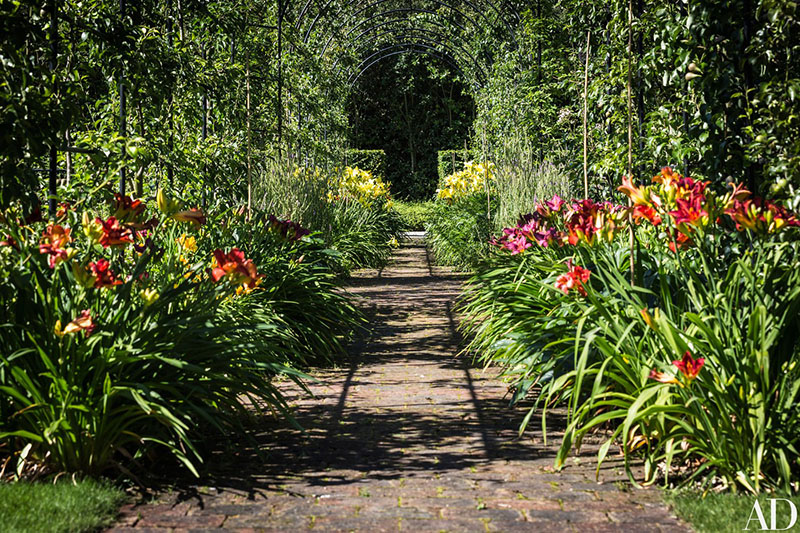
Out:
{"x": 407, "y": 435}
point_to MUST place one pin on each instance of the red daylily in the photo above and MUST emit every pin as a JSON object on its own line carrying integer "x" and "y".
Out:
{"x": 760, "y": 215}
{"x": 103, "y": 276}
{"x": 581, "y": 221}
{"x": 681, "y": 239}
{"x": 83, "y": 323}
{"x": 690, "y": 211}
{"x": 292, "y": 231}
{"x": 194, "y": 216}
{"x": 646, "y": 212}
{"x": 573, "y": 279}
{"x": 53, "y": 243}
{"x": 126, "y": 209}
{"x": 689, "y": 366}
{"x": 661, "y": 377}
{"x": 114, "y": 234}
{"x": 235, "y": 267}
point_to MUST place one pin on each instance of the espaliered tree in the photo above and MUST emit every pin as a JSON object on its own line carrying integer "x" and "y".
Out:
{"x": 133, "y": 96}
{"x": 714, "y": 90}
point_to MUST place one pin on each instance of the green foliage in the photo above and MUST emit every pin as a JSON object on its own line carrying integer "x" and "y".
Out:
{"x": 410, "y": 107}
{"x": 523, "y": 184}
{"x": 458, "y": 233}
{"x": 65, "y": 507}
{"x": 371, "y": 160}
{"x": 363, "y": 235}
{"x": 361, "y": 232}
{"x": 170, "y": 60}
{"x": 714, "y": 91}
{"x": 414, "y": 216}
{"x": 169, "y": 356}
{"x": 450, "y": 162}
{"x": 611, "y": 351}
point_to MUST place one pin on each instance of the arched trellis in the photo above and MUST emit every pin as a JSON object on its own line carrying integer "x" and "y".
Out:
{"x": 407, "y": 46}
{"x": 412, "y": 48}
{"x": 374, "y": 30}
{"x": 427, "y": 37}
{"x": 441, "y": 3}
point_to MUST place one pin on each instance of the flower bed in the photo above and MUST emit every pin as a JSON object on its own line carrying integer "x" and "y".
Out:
{"x": 134, "y": 329}
{"x": 667, "y": 325}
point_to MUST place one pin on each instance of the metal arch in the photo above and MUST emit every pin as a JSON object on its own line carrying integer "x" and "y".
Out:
{"x": 390, "y": 12}
{"x": 391, "y": 21}
{"x": 433, "y": 53}
{"x": 489, "y": 3}
{"x": 440, "y": 3}
{"x": 386, "y": 13}
{"x": 324, "y": 9}
{"x": 406, "y": 33}
{"x": 446, "y": 52}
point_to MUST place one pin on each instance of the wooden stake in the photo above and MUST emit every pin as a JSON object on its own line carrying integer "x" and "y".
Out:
{"x": 630, "y": 141}
{"x": 249, "y": 166}
{"x": 585, "y": 118}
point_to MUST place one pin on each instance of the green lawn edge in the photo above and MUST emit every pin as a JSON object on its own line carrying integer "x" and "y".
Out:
{"x": 42, "y": 507}
{"x": 728, "y": 512}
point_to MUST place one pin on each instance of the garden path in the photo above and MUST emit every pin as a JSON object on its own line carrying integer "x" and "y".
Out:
{"x": 406, "y": 437}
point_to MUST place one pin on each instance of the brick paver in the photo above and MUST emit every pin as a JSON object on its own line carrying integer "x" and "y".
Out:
{"x": 406, "y": 437}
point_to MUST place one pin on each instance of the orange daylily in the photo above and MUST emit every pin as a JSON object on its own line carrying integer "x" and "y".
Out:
{"x": 637, "y": 195}
{"x": 53, "y": 243}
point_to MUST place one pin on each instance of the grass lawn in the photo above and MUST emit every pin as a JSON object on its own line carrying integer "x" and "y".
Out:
{"x": 723, "y": 513}
{"x": 63, "y": 507}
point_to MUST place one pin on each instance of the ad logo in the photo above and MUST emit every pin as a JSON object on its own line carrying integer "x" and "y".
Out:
{"x": 773, "y": 515}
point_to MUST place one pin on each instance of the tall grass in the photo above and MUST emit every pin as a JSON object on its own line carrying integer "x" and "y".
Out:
{"x": 360, "y": 232}
{"x": 522, "y": 183}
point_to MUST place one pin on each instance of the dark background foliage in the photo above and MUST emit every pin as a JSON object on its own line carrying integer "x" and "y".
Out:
{"x": 411, "y": 107}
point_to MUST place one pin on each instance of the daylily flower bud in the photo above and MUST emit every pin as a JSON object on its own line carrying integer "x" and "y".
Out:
{"x": 648, "y": 319}
{"x": 91, "y": 228}
{"x": 82, "y": 276}
{"x": 149, "y": 296}
{"x": 165, "y": 204}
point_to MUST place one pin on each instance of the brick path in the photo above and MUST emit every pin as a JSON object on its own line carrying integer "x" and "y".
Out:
{"x": 406, "y": 437}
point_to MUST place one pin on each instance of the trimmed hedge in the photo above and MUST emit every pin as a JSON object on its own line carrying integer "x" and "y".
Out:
{"x": 372, "y": 160}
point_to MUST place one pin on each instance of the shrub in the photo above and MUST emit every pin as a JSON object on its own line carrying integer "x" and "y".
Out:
{"x": 414, "y": 216}
{"x": 458, "y": 232}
